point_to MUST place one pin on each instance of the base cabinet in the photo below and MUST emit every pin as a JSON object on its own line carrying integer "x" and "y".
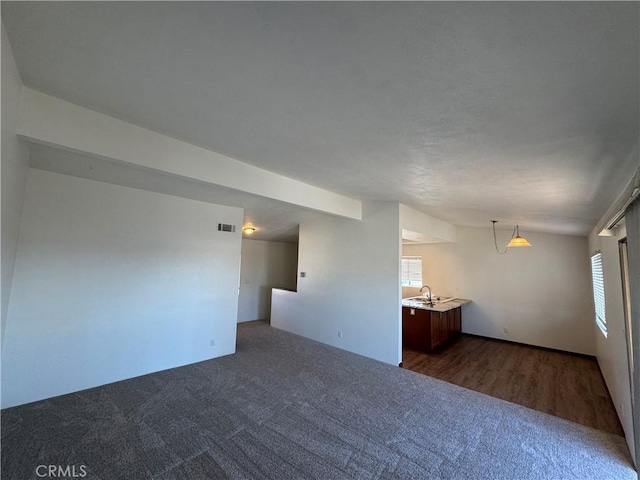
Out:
{"x": 426, "y": 330}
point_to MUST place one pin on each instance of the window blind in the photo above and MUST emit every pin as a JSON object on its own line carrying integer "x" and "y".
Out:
{"x": 597, "y": 277}
{"x": 411, "y": 271}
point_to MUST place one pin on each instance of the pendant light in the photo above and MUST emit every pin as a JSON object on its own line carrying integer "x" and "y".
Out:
{"x": 515, "y": 241}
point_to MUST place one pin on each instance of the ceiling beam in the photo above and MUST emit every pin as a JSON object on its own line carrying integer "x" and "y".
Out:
{"x": 50, "y": 121}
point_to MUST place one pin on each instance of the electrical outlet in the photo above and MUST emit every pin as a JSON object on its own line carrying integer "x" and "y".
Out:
{"x": 212, "y": 342}
{"x": 506, "y": 330}
{"x": 339, "y": 334}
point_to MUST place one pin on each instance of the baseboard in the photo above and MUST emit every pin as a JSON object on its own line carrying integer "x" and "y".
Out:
{"x": 582, "y": 355}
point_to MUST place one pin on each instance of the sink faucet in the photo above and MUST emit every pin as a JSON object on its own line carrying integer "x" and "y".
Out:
{"x": 426, "y": 286}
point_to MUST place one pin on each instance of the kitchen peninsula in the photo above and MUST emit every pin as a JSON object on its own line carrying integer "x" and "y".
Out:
{"x": 427, "y": 325}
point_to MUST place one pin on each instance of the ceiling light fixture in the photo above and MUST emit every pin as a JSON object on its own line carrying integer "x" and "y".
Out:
{"x": 248, "y": 230}
{"x": 516, "y": 239}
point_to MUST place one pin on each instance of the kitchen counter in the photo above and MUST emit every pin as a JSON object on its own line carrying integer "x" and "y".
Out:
{"x": 438, "y": 307}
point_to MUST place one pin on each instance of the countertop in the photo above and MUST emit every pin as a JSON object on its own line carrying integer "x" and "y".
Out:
{"x": 438, "y": 307}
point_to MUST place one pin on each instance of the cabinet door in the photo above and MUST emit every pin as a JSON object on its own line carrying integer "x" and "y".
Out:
{"x": 458, "y": 320}
{"x": 444, "y": 325}
{"x": 415, "y": 329}
{"x": 438, "y": 329}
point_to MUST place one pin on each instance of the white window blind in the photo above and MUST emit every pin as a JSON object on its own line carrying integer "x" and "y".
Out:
{"x": 598, "y": 291}
{"x": 412, "y": 271}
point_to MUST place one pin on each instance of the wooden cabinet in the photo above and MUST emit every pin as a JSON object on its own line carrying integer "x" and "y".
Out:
{"x": 427, "y": 330}
{"x": 416, "y": 327}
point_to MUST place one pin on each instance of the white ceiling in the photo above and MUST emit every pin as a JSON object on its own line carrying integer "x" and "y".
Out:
{"x": 522, "y": 112}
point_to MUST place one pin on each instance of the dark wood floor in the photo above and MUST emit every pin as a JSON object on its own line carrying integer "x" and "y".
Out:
{"x": 561, "y": 384}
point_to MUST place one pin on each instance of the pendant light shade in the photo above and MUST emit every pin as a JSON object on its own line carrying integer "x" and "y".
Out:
{"x": 517, "y": 240}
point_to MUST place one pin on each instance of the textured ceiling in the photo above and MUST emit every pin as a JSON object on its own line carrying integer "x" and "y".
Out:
{"x": 523, "y": 112}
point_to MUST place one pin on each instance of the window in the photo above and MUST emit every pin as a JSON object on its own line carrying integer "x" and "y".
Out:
{"x": 598, "y": 292}
{"x": 411, "y": 271}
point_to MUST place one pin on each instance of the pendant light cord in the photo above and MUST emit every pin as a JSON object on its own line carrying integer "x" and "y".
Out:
{"x": 495, "y": 239}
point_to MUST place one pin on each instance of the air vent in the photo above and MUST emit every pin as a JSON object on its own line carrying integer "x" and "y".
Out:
{"x": 226, "y": 227}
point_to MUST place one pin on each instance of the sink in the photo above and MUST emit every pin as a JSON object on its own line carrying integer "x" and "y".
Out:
{"x": 419, "y": 299}
{"x": 426, "y": 300}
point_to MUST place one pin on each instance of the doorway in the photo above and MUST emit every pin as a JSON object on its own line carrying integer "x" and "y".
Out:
{"x": 264, "y": 265}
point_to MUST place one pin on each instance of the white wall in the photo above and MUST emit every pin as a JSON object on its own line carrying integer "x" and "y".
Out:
{"x": 265, "y": 265}
{"x": 352, "y": 284}
{"x": 15, "y": 165}
{"x": 112, "y": 282}
{"x": 541, "y": 295}
{"x": 612, "y": 350}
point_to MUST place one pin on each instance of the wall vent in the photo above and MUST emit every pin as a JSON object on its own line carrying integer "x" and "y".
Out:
{"x": 226, "y": 227}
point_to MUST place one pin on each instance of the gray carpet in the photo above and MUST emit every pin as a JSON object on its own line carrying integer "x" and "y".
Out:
{"x": 284, "y": 407}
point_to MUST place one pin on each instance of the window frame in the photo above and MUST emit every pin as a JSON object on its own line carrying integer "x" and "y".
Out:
{"x": 412, "y": 280}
